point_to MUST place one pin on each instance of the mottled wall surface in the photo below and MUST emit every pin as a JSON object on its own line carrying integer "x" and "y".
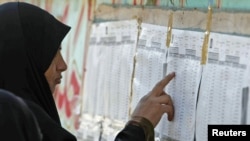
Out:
{"x": 179, "y": 4}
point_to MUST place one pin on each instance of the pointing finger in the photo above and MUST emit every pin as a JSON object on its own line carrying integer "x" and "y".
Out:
{"x": 158, "y": 89}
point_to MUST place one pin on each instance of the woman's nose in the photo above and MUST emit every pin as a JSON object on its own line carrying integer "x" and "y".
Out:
{"x": 62, "y": 66}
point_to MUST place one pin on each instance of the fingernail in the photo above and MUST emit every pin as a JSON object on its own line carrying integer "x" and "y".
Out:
{"x": 172, "y": 73}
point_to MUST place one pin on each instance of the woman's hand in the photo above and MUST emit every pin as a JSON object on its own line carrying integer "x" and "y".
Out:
{"x": 153, "y": 105}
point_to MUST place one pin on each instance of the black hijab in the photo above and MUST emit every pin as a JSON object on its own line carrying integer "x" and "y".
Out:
{"x": 29, "y": 40}
{"x": 17, "y": 121}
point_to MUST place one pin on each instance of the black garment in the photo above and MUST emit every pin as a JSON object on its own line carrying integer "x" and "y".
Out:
{"x": 17, "y": 121}
{"x": 49, "y": 126}
{"x": 29, "y": 40}
{"x": 131, "y": 133}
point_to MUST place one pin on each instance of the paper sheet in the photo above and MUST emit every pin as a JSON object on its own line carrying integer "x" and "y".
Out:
{"x": 120, "y": 68}
{"x": 109, "y": 69}
{"x": 184, "y": 57}
{"x": 150, "y": 58}
{"x": 220, "y": 98}
{"x": 108, "y": 78}
{"x": 92, "y": 73}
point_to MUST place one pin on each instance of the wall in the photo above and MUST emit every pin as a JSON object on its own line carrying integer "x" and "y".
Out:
{"x": 179, "y": 4}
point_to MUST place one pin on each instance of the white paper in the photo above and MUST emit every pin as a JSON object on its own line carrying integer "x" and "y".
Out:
{"x": 220, "y": 98}
{"x": 184, "y": 57}
{"x": 150, "y": 58}
{"x": 121, "y": 55}
{"x": 109, "y": 69}
{"x": 91, "y": 77}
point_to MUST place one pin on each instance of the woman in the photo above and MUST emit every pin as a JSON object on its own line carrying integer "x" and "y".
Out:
{"x": 29, "y": 40}
{"x": 31, "y": 67}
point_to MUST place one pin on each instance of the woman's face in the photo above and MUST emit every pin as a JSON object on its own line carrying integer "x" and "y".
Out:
{"x": 53, "y": 73}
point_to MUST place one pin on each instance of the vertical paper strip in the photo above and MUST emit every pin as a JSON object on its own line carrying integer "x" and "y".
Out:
{"x": 206, "y": 38}
{"x": 169, "y": 34}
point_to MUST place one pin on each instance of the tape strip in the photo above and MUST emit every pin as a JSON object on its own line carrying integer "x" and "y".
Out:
{"x": 206, "y": 37}
{"x": 169, "y": 34}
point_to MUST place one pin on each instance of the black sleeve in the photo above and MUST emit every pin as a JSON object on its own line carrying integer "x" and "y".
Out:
{"x": 131, "y": 133}
{"x": 17, "y": 121}
{"x": 50, "y": 129}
